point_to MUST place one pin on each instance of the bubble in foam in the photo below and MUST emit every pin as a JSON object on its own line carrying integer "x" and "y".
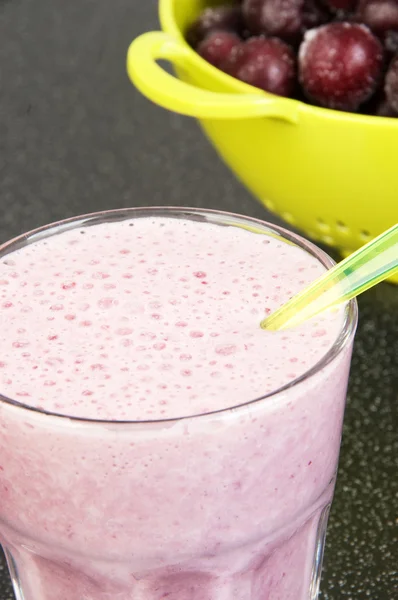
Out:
{"x": 159, "y": 346}
{"x": 49, "y": 383}
{"x": 196, "y": 334}
{"x": 83, "y": 306}
{"x": 147, "y": 335}
{"x": 20, "y": 344}
{"x": 319, "y": 333}
{"x": 57, "y": 307}
{"x": 226, "y": 349}
{"x": 97, "y": 367}
{"x": 215, "y": 374}
{"x": 124, "y": 331}
{"x": 107, "y": 302}
{"x": 23, "y": 394}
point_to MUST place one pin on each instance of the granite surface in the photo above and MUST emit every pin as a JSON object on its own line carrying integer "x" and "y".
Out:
{"x": 75, "y": 137}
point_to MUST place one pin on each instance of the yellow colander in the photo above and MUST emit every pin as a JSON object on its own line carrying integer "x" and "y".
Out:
{"x": 332, "y": 174}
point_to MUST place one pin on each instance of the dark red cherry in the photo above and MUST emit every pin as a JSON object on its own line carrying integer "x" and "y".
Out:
{"x": 217, "y": 46}
{"x": 267, "y": 63}
{"x": 340, "y": 65}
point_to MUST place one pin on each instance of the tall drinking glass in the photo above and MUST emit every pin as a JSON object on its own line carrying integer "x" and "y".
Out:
{"x": 230, "y": 504}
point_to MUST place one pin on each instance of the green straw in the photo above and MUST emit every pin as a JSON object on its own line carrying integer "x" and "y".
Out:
{"x": 369, "y": 265}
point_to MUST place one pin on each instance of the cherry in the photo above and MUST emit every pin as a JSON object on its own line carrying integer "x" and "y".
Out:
{"x": 217, "y": 46}
{"x": 287, "y": 19}
{"x": 383, "y": 109}
{"x": 267, "y": 63}
{"x": 391, "y": 43}
{"x": 380, "y": 15}
{"x": 226, "y": 18}
{"x": 340, "y": 65}
{"x": 313, "y": 15}
{"x": 379, "y": 106}
{"x": 282, "y": 18}
{"x": 391, "y": 84}
{"x": 341, "y": 5}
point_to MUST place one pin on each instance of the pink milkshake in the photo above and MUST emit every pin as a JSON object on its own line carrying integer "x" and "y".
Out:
{"x": 155, "y": 442}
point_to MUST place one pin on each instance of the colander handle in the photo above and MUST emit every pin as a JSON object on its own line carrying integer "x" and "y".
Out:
{"x": 175, "y": 95}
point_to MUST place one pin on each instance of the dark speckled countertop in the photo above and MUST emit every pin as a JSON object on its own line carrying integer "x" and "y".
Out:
{"x": 75, "y": 137}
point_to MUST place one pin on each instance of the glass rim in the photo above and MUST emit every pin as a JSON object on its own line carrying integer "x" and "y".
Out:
{"x": 212, "y": 216}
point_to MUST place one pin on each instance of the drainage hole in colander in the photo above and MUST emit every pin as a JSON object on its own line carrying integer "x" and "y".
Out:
{"x": 322, "y": 226}
{"x": 364, "y": 235}
{"x": 342, "y": 227}
{"x": 288, "y": 217}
